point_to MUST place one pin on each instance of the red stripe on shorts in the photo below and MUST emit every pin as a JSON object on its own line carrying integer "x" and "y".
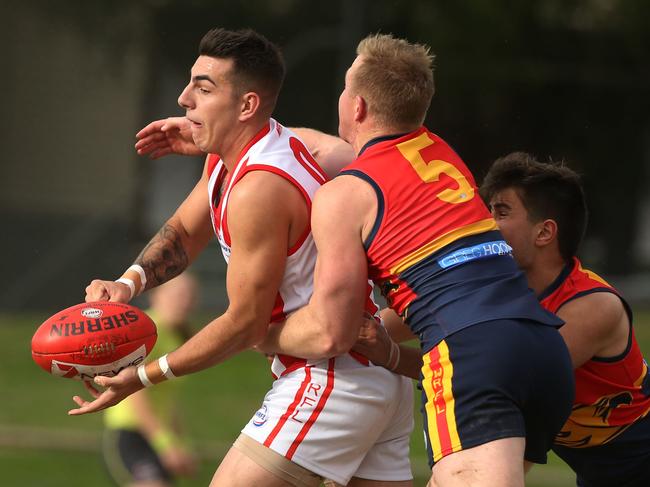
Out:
{"x": 314, "y": 415}
{"x": 437, "y": 385}
{"x": 290, "y": 409}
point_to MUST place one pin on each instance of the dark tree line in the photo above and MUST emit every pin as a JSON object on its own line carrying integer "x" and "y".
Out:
{"x": 563, "y": 79}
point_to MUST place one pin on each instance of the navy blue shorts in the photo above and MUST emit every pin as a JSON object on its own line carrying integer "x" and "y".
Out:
{"x": 493, "y": 380}
{"x": 130, "y": 458}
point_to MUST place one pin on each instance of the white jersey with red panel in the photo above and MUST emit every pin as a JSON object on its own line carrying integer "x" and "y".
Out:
{"x": 275, "y": 149}
{"x": 338, "y": 417}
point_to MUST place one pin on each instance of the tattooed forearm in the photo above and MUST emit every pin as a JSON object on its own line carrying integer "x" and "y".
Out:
{"x": 164, "y": 257}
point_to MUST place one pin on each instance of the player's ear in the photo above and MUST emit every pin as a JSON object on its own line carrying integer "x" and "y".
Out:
{"x": 360, "y": 109}
{"x": 250, "y": 104}
{"x": 546, "y": 232}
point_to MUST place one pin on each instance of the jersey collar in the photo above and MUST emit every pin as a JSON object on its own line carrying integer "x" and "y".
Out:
{"x": 566, "y": 271}
{"x": 381, "y": 138}
{"x": 256, "y": 138}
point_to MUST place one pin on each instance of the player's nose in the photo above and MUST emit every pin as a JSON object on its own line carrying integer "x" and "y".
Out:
{"x": 185, "y": 98}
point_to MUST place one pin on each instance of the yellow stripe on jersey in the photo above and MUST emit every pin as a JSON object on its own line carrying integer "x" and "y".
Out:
{"x": 440, "y": 406}
{"x": 644, "y": 372}
{"x": 593, "y": 276}
{"x": 427, "y": 249}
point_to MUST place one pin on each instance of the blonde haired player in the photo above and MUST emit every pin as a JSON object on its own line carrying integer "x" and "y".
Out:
{"x": 496, "y": 375}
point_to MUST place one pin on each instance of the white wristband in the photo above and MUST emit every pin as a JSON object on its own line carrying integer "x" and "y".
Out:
{"x": 394, "y": 356}
{"x": 128, "y": 282}
{"x": 142, "y": 374}
{"x": 164, "y": 367}
{"x": 143, "y": 276}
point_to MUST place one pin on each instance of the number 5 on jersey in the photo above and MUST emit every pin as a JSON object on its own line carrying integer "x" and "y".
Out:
{"x": 430, "y": 171}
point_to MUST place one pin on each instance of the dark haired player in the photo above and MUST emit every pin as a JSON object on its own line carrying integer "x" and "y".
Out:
{"x": 342, "y": 417}
{"x": 541, "y": 211}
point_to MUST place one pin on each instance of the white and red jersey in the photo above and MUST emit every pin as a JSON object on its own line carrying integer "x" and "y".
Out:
{"x": 275, "y": 149}
{"x": 339, "y": 417}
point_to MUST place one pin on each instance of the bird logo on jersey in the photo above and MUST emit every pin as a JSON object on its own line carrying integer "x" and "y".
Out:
{"x": 605, "y": 405}
{"x": 594, "y": 428}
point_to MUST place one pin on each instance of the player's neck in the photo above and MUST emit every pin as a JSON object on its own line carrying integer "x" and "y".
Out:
{"x": 542, "y": 273}
{"x": 238, "y": 140}
{"x": 366, "y": 134}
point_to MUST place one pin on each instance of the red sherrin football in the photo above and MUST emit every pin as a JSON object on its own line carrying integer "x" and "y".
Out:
{"x": 90, "y": 339}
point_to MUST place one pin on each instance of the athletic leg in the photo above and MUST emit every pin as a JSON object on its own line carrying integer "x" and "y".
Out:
{"x": 249, "y": 463}
{"x": 238, "y": 470}
{"x": 152, "y": 483}
{"x": 357, "y": 482}
{"x": 498, "y": 463}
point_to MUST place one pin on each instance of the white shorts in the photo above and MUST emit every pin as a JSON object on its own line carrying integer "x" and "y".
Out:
{"x": 339, "y": 419}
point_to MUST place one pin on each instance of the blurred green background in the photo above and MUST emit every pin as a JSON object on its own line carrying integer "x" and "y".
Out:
{"x": 40, "y": 446}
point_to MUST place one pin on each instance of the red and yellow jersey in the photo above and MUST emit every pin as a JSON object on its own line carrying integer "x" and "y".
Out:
{"x": 611, "y": 393}
{"x": 434, "y": 249}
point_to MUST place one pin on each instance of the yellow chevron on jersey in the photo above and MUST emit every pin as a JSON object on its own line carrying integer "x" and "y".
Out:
{"x": 593, "y": 276}
{"x": 644, "y": 373}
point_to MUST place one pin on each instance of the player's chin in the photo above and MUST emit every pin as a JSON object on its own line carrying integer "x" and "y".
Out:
{"x": 199, "y": 141}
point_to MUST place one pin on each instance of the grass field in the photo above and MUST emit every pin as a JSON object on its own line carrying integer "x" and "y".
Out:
{"x": 41, "y": 446}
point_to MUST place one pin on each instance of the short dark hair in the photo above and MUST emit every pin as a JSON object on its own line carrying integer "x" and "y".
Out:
{"x": 547, "y": 190}
{"x": 257, "y": 62}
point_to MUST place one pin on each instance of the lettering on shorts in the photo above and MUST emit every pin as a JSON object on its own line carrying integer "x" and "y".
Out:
{"x": 309, "y": 400}
{"x": 438, "y": 391}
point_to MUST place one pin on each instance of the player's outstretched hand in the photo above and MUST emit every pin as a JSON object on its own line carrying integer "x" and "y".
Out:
{"x": 99, "y": 290}
{"x": 115, "y": 389}
{"x": 172, "y": 135}
{"x": 373, "y": 342}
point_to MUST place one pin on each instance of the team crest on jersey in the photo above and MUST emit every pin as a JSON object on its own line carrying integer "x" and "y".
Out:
{"x": 260, "y": 416}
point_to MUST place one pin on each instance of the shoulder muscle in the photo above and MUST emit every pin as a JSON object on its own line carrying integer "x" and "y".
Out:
{"x": 596, "y": 325}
